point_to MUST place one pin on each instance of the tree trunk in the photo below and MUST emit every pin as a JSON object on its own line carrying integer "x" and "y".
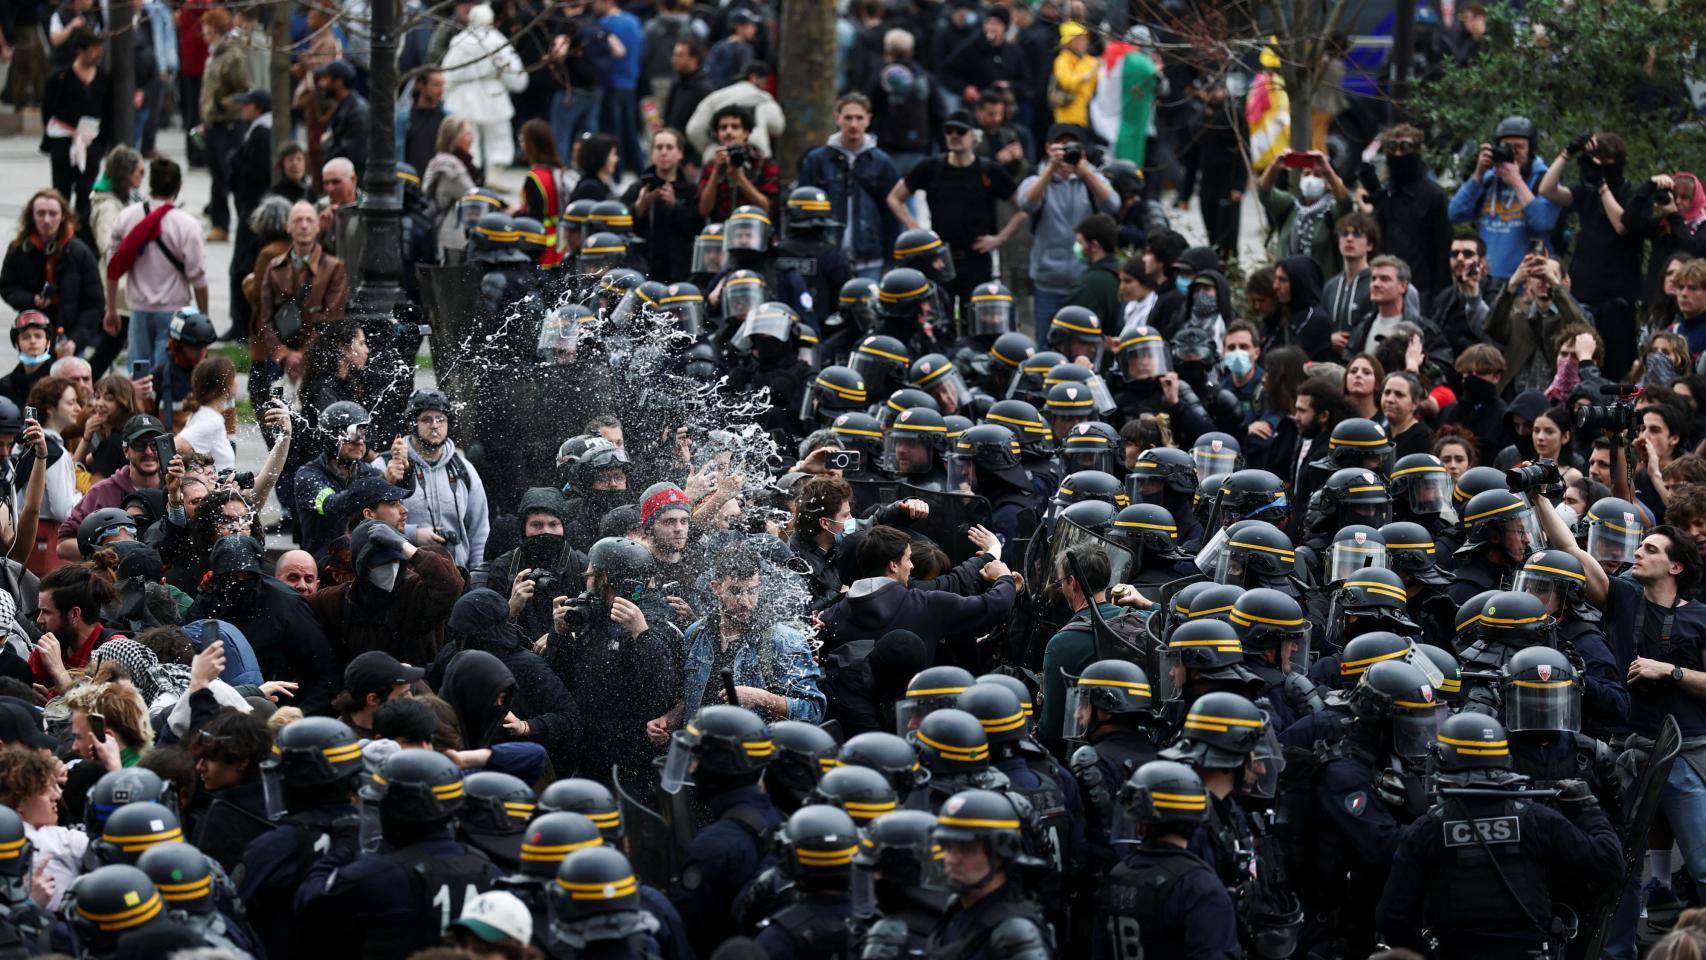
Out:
{"x": 121, "y": 67}
{"x": 806, "y": 76}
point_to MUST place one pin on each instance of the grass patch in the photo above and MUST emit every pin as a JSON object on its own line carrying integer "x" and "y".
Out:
{"x": 237, "y": 353}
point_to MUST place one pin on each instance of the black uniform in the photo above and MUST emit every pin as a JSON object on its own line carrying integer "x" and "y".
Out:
{"x": 1165, "y": 902}
{"x": 989, "y": 928}
{"x": 275, "y": 863}
{"x": 720, "y": 860}
{"x": 812, "y": 925}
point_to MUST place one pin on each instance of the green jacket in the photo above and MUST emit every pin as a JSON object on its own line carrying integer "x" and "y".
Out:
{"x": 1281, "y": 208}
{"x": 227, "y": 78}
{"x": 1068, "y": 652}
{"x": 1098, "y": 288}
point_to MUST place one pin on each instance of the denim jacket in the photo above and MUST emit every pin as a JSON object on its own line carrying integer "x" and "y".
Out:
{"x": 792, "y": 672}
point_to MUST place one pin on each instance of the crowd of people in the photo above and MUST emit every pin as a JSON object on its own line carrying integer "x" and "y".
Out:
{"x": 920, "y": 550}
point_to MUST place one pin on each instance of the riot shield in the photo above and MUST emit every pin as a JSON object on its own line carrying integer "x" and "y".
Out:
{"x": 951, "y": 515}
{"x": 1109, "y": 644}
{"x": 1068, "y": 535}
{"x": 1642, "y": 806}
{"x": 1157, "y": 623}
{"x": 871, "y": 493}
{"x": 451, "y": 297}
{"x": 654, "y": 847}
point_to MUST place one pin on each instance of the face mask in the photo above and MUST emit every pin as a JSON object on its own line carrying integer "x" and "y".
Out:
{"x": 383, "y": 576}
{"x": 1182, "y": 284}
{"x": 542, "y": 548}
{"x": 1312, "y": 187}
{"x": 1204, "y": 303}
{"x": 847, "y": 527}
{"x": 1405, "y": 167}
{"x": 34, "y": 360}
{"x": 1078, "y": 252}
{"x": 1239, "y": 362}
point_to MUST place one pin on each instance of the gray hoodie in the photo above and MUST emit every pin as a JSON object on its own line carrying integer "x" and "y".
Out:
{"x": 449, "y": 503}
{"x": 1067, "y": 201}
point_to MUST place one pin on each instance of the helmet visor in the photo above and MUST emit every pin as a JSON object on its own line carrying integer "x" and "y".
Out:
{"x": 1080, "y": 713}
{"x": 1087, "y": 456}
{"x": 1212, "y": 558}
{"x": 559, "y": 338}
{"x": 1551, "y": 591}
{"x": 959, "y": 476}
{"x": 1145, "y": 358}
{"x": 1531, "y": 528}
{"x": 909, "y": 712}
{"x": 1542, "y": 705}
{"x": 950, "y": 390}
{"x": 1614, "y": 541}
{"x": 740, "y": 296}
{"x": 708, "y": 256}
{"x": 1168, "y": 684}
{"x": 876, "y": 368}
{"x": 908, "y": 452}
{"x": 769, "y": 322}
{"x": 746, "y": 234}
{"x": 1430, "y": 493}
{"x": 630, "y": 308}
{"x": 1414, "y": 730}
{"x": 1346, "y": 557}
{"x": 678, "y": 765}
{"x": 991, "y": 314}
{"x": 1214, "y": 459}
{"x": 689, "y": 313}
{"x": 1267, "y": 762}
{"x": 272, "y": 789}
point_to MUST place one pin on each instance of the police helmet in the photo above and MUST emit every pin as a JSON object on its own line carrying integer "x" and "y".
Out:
{"x": 901, "y": 848}
{"x": 1350, "y": 495}
{"x": 859, "y": 431}
{"x": 496, "y": 804}
{"x": 1030, "y": 384}
{"x": 1148, "y": 530}
{"x": 1216, "y": 452}
{"x": 492, "y": 239}
{"x": 998, "y": 710}
{"x": 883, "y": 361}
{"x": 921, "y": 425}
{"x": 1476, "y": 480}
{"x": 315, "y": 752}
{"x": 417, "y": 786}
{"x": 932, "y": 688}
{"x": 1118, "y": 688}
{"x": 1249, "y": 494}
{"x": 1378, "y": 594}
{"x": 890, "y": 755}
{"x": 1517, "y": 619}
{"x": 551, "y": 837}
{"x": 1467, "y": 623}
{"x": 1092, "y": 485}
{"x": 1410, "y": 548}
{"x": 1143, "y": 353}
{"x": 1421, "y": 482}
{"x": 579, "y": 213}
{"x": 1165, "y": 792}
{"x": 727, "y": 741}
{"x": 992, "y": 315}
{"x": 1220, "y": 732}
{"x": 817, "y": 844}
{"x": 1184, "y": 597}
{"x": 1092, "y": 445}
{"x": 1074, "y": 324}
{"x": 936, "y": 375}
{"x": 1215, "y": 602}
{"x": 993, "y": 450}
{"x": 192, "y": 328}
{"x": 134, "y": 828}
{"x": 1205, "y": 645}
{"x": 1613, "y": 531}
{"x": 743, "y": 290}
{"x": 1488, "y": 514}
{"x": 856, "y": 303}
{"x": 1540, "y": 691}
{"x": 641, "y": 303}
{"x": 1469, "y": 742}
{"x": 602, "y": 251}
{"x": 101, "y": 524}
{"x": 596, "y": 882}
{"x": 1096, "y": 516}
{"x": 804, "y": 752}
{"x": 685, "y": 302}
{"x": 1398, "y": 692}
{"x": 861, "y": 791}
{"x": 1036, "y": 438}
{"x": 834, "y": 390}
{"x": 182, "y": 875}
{"x": 1556, "y": 577}
{"x": 1071, "y": 402}
{"x": 615, "y": 285}
{"x": 1266, "y": 618}
{"x": 951, "y": 743}
{"x": 588, "y": 798}
{"x": 1194, "y": 343}
{"x": 1366, "y": 650}
{"x": 1357, "y": 442}
{"x": 17, "y": 856}
{"x": 920, "y": 249}
{"x": 1450, "y": 684}
{"x": 109, "y": 902}
{"x": 117, "y": 788}
{"x": 1255, "y": 552}
{"x": 1172, "y": 468}
{"x": 620, "y": 558}
{"x": 808, "y": 207}
{"x": 972, "y": 815}
{"x": 611, "y": 215}
{"x": 903, "y": 292}
{"x": 1354, "y": 549}
{"x": 531, "y": 238}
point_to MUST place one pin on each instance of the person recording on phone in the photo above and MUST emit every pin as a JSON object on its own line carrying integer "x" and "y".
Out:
{"x": 1533, "y": 305}
{"x": 1460, "y": 310}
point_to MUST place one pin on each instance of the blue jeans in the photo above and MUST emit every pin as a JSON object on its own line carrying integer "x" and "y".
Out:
{"x": 1047, "y": 302}
{"x": 148, "y": 332}
{"x": 1684, "y": 803}
{"x": 619, "y": 116}
{"x": 573, "y": 112}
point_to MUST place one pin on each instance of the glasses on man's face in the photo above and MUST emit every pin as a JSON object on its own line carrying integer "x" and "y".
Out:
{"x": 957, "y": 132}
{"x": 431, "y": 421}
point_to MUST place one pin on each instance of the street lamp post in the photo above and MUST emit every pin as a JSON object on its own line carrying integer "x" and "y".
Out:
{"x": 379, "y": 275}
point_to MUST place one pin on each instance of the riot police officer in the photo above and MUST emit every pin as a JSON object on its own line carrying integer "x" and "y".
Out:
{"x": 906, "y": 301}
{"x": 547, "y": 842}
{"x": 1202, "y": 655}
{"x": 393, "y": 903}
{"x": 1249, "y": 494}
{"x": 495, "y": 810}
{"x": 1162, "y": 900}
{"x": 1478, "y": 871}
{"x": 1036, "y": 442}
{"x": 1558, "y": 579}
{"x": 1421, "y": 492}
{"x": 1253, "y": 553}
{"x": 1509, "y": 621}
{"x": 1149, "y": 532}
{"x": 953, "y": 748}
{"x": 814, "y": 850}
{"x": 199, "y": 895}
{"x": 1354, "y": 442}
{"x": 1411, "y": 552}
{"x": 804, "y": 751}
{"x": 1147, "y": 384}
{"x": 1032, "y": 775}
{"x": 1541, "y": 707}
{"x": 833, "y": 391}
{"x": 1351, "y": 496}
{"x": 1110, "y": 709}
{"x": 981, "y": 836}
{"x": 923, "y": 251}
{"x": 1361, "y": 796}
{"x": 24, "y": 926}
{"x": 985, "y": 460}
{"x": 766, "y": 348}
{"x": 131, "y": 830}
{"x": 852, "y": 320}
{"x": 811, "y": 269}
{"x": 725, "y": 750}
{"x": 913, "y": 448}
{"x": 897, "y": 896}
{"x": 109, "y": 903}
{"x": 890, "y": 755}
{"x": 1167, "y": 477}
{"x": 863, "y": 793}
{"x": 1499, "y": 531}
{"x": 1373, "y": 600}
{"x": 595, "y": 909}
{"x": 1275, "y": 635}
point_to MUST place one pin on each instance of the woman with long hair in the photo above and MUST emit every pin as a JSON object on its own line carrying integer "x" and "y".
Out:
{"x": 336, "y": 364}
{"x": 55, "y": 400}
{"x": 450, "y": 175}
{"x": 213, "y": 392}
{"x": 48, "y": 269}
{"x": 101, "y": 448}
{"x": 1363, "y": 377}
{"x": 1455, "y": 447}
{"x": 546, "y": 190}
{"x": 109, "y": 694}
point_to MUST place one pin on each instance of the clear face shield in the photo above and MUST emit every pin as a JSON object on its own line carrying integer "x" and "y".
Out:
{"x": 1212, "y": 558}
{"x": 708, "y": 256}
{"x": 1542, "y": 705}
{"x": 678, "y": 764}
{"x": 272, "y": 788}
{"x": 906, "y": 452}
{"x": 961, "y": 472}
{"x": 909, "y": 712}
{"x": 469, "y": 213}
{"x": 1210, "y": 460}
{"x": 1087, "y": 456}
{"x": 1080, "y": 716}
{"x": 939, "y": 266}
{"x": 1027, "y": 383}
{"x": 1146, "y": 359}
{"x": 873, "y": 369}
{"x": 689, "y": 313}
{"x": 991, "y": 315}
{"x": 740, "y": 296}
{"x": 950, "y": 391}
{"x": 750, "y": 235}
{"x": 1613, "y": 541}
{"x": 1414, "y": 730}
{"x": 1346, "y": 557}
{"x": 1552, "y": 592}
{"x": 1171, "y": 684}
{"x": 1529, "y": 522}
{"x": 1267, "y": 762}
{"x": 559, "y": 339}
{"x": 631, "y": 307}
{"x": 769, "y": 322}
{"x": 1430, "y": 493}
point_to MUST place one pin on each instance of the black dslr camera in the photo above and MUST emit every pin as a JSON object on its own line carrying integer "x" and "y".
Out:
{"x": 577, "y": 613}
{"x": 1617, "y": 417}
{"x": 738, "y": 156}
{"x": 1072, "y": 154}
{"x": 1503, "y": 153}
{"x": 1542, "y": 474}
{"x": 543, "y": 583}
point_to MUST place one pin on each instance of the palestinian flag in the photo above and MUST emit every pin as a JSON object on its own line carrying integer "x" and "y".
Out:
{"x": 1125, "y": 95}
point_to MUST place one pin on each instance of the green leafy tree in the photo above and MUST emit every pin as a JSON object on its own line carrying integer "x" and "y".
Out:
{"x": 1578, "y": 65}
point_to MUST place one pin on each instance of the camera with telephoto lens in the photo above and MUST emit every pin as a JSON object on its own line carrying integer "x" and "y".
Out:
{"x": 1617, "y": 417}
{"x": 244, "y": 480}
{"x": 737, "y": 156}
{"x": 1542, "y": 474}
{"x": 1072, "y": 155}
{"x": 1503, "y": 153}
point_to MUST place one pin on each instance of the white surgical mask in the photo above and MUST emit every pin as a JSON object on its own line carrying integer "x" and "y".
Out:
{"x": 1312, "y": 187}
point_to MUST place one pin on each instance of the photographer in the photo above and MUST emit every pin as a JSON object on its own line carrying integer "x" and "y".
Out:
{"x": 1533, "y": 305}
{"x": 616, "y": 643}
{"x": 1064, "y": 191}
{"x": 539, "y": 568}
{"x": 448, "y": 506}
{"x": 1605, "y": 271}
{"x": 739, "y": 173}
{"x": 1503, "y": 182}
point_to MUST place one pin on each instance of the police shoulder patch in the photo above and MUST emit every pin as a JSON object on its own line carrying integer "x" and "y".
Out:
{"x": 1356, "y": 803}
{"x": 691, "y": 877}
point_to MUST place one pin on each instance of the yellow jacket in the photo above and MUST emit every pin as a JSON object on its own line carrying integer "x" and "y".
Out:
{"x": 1076, "y": 75}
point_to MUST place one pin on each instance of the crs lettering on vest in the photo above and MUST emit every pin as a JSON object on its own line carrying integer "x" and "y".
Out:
{"x": 1471, "y": 833}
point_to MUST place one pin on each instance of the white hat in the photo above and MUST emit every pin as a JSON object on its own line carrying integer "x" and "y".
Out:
{"x": 495, "y": 915}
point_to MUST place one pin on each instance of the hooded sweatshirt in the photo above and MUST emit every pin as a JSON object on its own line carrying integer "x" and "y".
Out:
{"x": 858, "y": 181}
{"x": 449, "y": 497}
{"x": 473, "y": 681}
{"x": 1065, "y": 201}
{"x": 1306, "y": 324}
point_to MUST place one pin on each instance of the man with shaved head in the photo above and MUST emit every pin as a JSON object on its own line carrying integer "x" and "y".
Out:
{"x": 299, "y": 572}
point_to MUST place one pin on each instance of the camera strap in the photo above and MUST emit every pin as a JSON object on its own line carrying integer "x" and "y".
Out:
{"x": 1665, "y": 627}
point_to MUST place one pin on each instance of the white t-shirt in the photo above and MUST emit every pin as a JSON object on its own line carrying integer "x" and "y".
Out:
{"x": 205, "y": 432}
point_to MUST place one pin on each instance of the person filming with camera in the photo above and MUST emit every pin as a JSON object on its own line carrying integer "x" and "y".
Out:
{"x": 739, "y": 173}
